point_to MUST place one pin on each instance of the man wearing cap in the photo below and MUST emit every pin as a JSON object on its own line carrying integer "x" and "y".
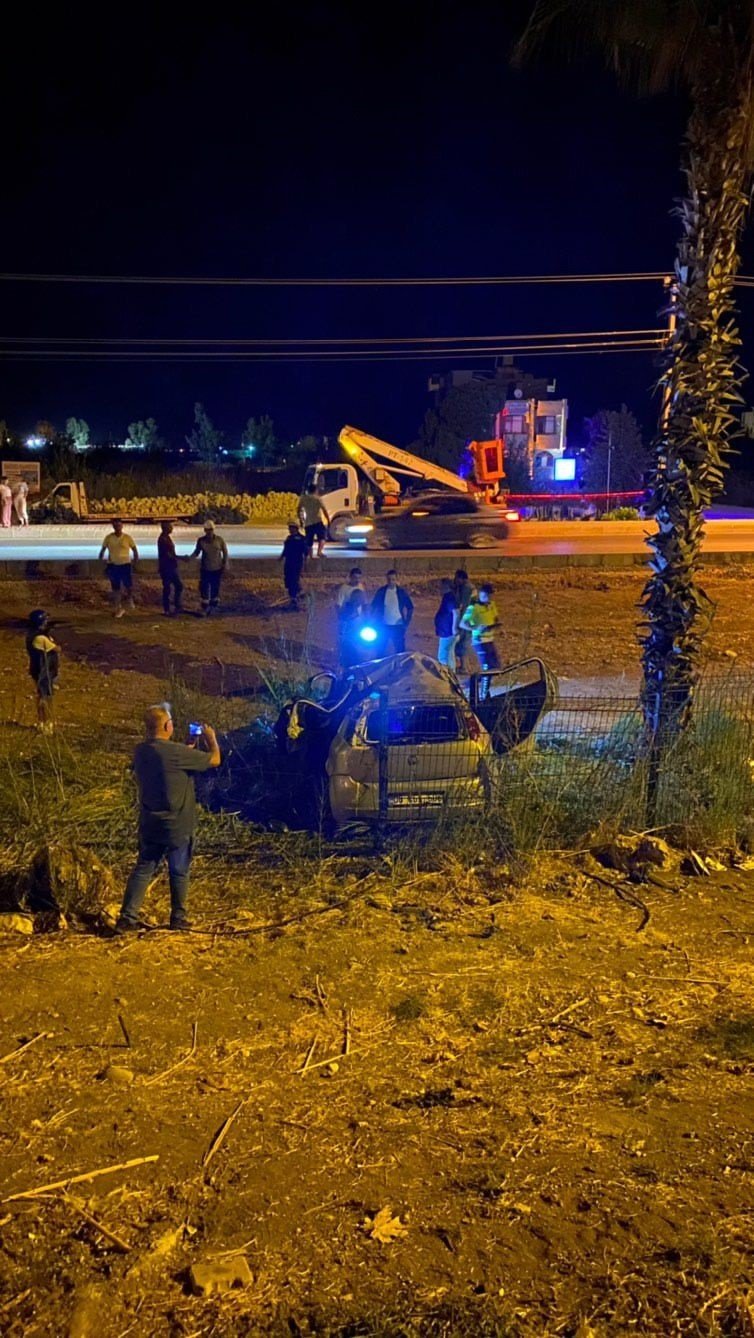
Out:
{"x": 44, "y": 666}
{"x": 213, "y": 552}
{"x": 165, "y": 773}
{"x": 293, "y": 558}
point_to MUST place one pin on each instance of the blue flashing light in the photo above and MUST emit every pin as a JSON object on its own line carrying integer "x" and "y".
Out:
{"x": 368, "y": 634}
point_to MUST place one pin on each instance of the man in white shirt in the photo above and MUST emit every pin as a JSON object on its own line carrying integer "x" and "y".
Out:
{"x": 343, "y": 596}
{"x": 121, "y": 553}
{"x": 6, "y": 503}
{"x": 314, "y": 517}
{"x": 20, "y": 493}
{"x": 392, "y": 610}
{"x": 344, "y": 591}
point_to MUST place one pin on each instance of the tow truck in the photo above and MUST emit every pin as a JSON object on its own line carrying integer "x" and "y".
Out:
{"x": 355, "y": 488}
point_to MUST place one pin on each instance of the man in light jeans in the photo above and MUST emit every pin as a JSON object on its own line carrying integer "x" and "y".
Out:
{"x": 164, "y": 773}
{"x": 446, "y": 625}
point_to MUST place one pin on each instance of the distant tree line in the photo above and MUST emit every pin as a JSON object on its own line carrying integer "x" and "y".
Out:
{"x": 258, "y": 444}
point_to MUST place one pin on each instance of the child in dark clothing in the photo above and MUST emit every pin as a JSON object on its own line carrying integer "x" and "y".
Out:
{"x": 44, "y": 666}
{"x": 293, "y": 557}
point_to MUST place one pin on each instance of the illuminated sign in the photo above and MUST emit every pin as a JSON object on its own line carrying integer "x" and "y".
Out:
{"x": 565, "y": 469}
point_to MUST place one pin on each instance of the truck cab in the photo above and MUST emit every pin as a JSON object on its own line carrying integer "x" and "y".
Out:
{"x": 64, "y": 498}
{"x": 340, "y": 490}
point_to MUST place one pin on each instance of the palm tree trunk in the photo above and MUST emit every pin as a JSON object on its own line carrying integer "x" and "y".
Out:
{"x": 701, "y": 390}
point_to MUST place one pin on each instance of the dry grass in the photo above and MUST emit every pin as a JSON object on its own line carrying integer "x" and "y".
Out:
{"x": 555, "y": 1107}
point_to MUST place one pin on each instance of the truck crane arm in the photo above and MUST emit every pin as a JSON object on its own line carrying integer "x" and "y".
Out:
{"x": 362, "y": 448}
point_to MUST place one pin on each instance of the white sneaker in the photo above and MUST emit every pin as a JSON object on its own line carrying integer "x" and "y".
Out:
{"x": 119, "y": 613}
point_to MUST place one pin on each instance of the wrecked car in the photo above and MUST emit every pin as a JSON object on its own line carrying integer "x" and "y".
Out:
{"x": 397, "y": 739}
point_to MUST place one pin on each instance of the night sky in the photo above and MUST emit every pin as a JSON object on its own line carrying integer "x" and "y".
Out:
{"x": 318, "y": 140}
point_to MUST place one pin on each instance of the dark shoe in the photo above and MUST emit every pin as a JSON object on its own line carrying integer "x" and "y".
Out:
{"x": 126, "y": 927}
{"x": 183, "y": 926}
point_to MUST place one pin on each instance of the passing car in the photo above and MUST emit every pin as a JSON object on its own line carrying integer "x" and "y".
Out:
{"x": 397, "y": 741}
{"x": 433, "y": 520}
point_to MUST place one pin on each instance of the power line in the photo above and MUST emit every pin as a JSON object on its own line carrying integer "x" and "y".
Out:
{"x": 398, "y": 355}
{"x": 447, "y": 281}
{"x": 380, "y": 340}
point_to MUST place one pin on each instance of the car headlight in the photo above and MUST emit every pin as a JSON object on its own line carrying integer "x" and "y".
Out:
{"x": 359, "y": 529}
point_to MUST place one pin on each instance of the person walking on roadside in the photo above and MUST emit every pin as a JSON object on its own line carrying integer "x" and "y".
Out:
{"x": 446, "y": 625}
{"x": 44, "y": 666}
{"x": 293, "y": 558}
{"x": 20, "y": 493}
{"x": 212, "y": 551}
{"x": 6, "y": 503}
{"x": 481, "y": 620}
{"x": 119, "y": 552}
{"x": 465, "y": 593}
{"x": 167, "y": 565}
{"x": 314, "y": 517}
{"x": 392, "y": 610}
{"x": 164, "y": 772}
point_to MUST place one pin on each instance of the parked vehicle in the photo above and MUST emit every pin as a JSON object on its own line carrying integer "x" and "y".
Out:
{"x": 397, "y": 741}
{"x": 432, "y": 520}
{"x": 69, "y": 502}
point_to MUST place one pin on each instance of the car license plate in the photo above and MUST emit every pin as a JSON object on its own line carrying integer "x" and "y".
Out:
{"x": 416, "y": 801}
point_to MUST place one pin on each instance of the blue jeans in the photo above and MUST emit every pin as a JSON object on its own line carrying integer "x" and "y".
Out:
{"x": 151, "y": 855}
{"x": 446, "y": 651}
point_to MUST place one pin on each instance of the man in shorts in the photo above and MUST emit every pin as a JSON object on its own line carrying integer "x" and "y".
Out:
{"x": 120, "y": 553}
{"x": 313, "y": 515}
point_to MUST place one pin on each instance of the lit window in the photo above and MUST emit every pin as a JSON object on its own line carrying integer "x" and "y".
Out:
{"x": 547, "y": 425}
{"x": 514, "y": 423}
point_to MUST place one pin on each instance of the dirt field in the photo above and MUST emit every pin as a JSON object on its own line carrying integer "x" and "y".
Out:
{"x": 435, "y": 1097}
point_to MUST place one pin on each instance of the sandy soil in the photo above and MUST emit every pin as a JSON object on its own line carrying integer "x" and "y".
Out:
{"x": 553, "y": 1104}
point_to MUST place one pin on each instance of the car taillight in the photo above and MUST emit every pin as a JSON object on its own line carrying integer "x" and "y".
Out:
{"x": 512, "y": 515}
{"x": 473, "y": 728}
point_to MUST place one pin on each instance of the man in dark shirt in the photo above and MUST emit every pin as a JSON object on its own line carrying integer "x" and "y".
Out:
{"x": 167, "y": 563}
{"x": 392, "y": 610}
{"x": 164, "y": 773}
{"x": 293, "y": 558}
{"x": 446, "y": 625}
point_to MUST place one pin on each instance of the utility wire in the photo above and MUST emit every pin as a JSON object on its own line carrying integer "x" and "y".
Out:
{"x": 447, "y": 281}
{"x": 335, "y": 340}
{"x": 58, "y": 355}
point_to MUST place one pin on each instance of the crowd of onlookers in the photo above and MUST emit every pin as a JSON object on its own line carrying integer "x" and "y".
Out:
{"x": 369, "y": 628}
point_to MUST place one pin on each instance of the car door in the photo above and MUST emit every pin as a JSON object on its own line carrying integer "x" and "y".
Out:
{"x": 415, "y": 526}
{"x": 453, "y": 517}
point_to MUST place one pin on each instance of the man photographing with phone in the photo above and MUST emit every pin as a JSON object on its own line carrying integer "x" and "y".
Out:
{"x": 164, "y": 772}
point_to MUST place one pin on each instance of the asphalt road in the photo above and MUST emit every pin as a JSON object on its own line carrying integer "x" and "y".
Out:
{"x": 77, "y": 543}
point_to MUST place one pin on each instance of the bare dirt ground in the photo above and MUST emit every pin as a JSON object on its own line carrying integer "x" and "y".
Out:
{"x": 437, "y": 1097}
